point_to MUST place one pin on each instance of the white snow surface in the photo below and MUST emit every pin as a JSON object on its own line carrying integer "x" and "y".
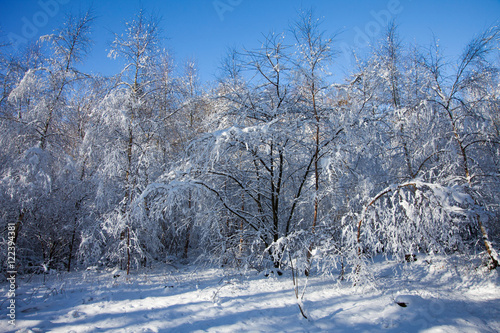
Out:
{"x": 440, "y": 294}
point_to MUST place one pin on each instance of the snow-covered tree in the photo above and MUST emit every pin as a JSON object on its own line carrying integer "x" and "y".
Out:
{"x": 270, "y": 164}
{"x": 38, "y": 177}
{"x": 314, "y": 54}
{"x": 465, "y": 101}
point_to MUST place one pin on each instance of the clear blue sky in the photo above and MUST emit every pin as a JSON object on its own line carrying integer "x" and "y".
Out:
{"x": 203, "y": 29}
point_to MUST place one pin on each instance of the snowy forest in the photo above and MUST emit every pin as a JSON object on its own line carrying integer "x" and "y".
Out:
{"x": 272, "y": 165}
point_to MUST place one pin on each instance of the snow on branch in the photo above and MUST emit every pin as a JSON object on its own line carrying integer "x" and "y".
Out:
{"x": 414, "y": 216}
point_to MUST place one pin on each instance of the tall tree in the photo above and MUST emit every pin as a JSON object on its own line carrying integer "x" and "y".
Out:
{"x": 315, "y": 53}
{"x": 127, "y": 131}
{"x": 464, "y": 102}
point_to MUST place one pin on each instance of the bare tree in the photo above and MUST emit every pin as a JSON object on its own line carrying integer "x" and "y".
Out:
{"x": 315, "y": 54}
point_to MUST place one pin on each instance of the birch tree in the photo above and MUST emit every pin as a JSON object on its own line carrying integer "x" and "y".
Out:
{"x": 464, "y": 101}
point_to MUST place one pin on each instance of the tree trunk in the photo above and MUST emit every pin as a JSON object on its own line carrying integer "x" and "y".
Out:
{"x": 316, "y": 180}
{"x": 71, "y": 245}
{"x": 188, "y": 231}
{"x": 489, "y": 248}
{"x": 128, "y": 250}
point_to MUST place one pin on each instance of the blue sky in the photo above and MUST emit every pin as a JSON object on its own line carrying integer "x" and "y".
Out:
{"x": 203, "y": 29}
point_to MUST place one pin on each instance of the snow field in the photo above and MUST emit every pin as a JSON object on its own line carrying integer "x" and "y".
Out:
{"x": 430, "y": 295}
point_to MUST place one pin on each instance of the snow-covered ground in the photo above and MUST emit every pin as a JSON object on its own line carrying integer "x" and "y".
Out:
{"x": 434, "y": 295}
